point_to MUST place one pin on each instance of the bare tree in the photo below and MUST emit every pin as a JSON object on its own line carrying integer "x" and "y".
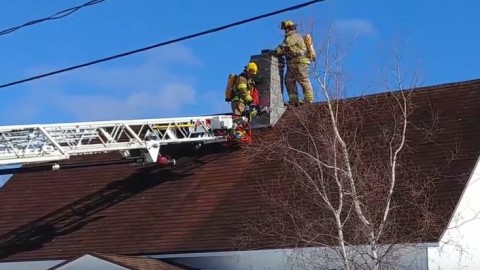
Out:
{"x": 347, "y": 192}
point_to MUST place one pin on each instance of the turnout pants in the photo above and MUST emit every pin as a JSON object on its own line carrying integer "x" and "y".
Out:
{"x": 298, "y": 73}
{"x": 238, "y": 107}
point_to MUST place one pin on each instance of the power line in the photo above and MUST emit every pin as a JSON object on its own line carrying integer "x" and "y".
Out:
{"x": 55, "y": 16}
{"x": 164, "y": 43}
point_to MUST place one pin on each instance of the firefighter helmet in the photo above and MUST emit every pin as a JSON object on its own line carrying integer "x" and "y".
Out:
{"x": 287, "y": 24}
{"x": 252, "y": 68}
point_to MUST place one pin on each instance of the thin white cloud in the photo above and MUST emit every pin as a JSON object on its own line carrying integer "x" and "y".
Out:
{"x": 143, "y": 88}
{"x": 353, "y": 27}
{"x": 170, "y": 98}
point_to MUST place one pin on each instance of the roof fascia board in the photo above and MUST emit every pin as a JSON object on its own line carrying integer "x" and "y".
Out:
{"x": 244, "y": 252}
{"x": 95, "y": 255}
{"x": 470, "y": 181}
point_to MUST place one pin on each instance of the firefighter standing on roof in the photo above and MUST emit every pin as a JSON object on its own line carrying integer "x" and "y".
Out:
{"x": 241, "y": 94}
{"x": 294, "y": 49}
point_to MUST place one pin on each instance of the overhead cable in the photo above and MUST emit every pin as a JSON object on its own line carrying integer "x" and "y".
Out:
{"x": 55, "y": 16}
{"x": 164, "y": 43}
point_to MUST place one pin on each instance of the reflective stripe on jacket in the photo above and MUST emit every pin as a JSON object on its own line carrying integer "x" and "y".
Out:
{"x": 242, "y": 89}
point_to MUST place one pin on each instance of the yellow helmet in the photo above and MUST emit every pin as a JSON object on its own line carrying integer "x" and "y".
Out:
{"x": 287, "y": 23}
{"x": 252, "y": 68}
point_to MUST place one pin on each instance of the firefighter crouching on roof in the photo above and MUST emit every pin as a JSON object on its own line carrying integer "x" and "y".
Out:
{"x": 241, "y": 95}
{"x": 294, "y": 49}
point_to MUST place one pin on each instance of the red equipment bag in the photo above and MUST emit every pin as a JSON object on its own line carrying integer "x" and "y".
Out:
{"x": 255, "y": 97}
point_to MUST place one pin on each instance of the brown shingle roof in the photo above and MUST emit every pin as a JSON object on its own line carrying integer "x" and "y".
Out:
{"x": 196, "y": 206}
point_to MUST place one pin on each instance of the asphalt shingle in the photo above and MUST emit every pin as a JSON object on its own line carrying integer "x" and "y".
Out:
{"x": 199, "y": 204}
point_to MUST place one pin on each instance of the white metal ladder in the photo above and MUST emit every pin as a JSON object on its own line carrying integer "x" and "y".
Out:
{"x": 23, "y": 144}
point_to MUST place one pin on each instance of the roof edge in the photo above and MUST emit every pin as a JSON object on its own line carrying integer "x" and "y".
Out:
{"x": 462, "y": 196}
{"x": 415, "y": 89}
{"x": 104, "y": 256}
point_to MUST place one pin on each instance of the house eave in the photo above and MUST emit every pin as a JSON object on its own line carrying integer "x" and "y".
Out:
{"x": 244, "y": 252}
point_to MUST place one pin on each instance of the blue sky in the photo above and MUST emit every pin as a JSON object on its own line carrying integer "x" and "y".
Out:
{"x": 188, "y": 78}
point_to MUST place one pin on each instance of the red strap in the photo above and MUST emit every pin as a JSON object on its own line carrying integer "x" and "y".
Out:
{"x": 255, "y": 96}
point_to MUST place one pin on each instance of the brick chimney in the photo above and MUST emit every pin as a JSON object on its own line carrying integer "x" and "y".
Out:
{"x": 270, "y": 87}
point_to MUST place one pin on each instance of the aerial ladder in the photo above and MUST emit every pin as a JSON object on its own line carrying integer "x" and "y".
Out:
{"x": 140, "y": 140}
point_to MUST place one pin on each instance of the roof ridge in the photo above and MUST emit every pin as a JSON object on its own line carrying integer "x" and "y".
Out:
{"x": 432, "y": 87}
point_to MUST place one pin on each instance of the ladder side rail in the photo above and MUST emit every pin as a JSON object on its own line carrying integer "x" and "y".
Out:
{"x": 24, "y": 145}
{"x": 50, "y": 142}
{"x": 31, "y": 150}
{"x": 110, "y": 123}
{"x": 74, "y": 139}
{"x": 169, "y": 135}
{"x": 71, "y": 138}
{"x": 18, "y": 143}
